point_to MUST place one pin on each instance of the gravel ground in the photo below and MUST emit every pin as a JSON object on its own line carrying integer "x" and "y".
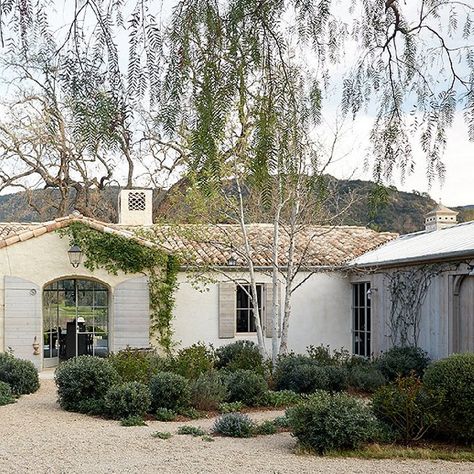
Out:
{"x": 37, "y": 436}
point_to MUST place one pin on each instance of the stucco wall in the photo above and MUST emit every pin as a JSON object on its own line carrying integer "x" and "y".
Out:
{"x": 436, "y": 335}
{"x": 320, "y": 314}
{"x": 42, "y": 260}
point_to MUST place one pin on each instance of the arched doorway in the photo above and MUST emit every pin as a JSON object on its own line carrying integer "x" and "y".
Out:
{"x": 75, "y": 320}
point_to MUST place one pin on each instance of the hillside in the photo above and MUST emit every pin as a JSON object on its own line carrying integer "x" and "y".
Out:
{"x": 401, "y": 212}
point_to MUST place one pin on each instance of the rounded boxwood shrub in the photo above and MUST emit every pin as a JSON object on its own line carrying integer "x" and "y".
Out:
{"x": 127, "y": 400}
{"x": 208, "y": 391}
{"x": 243, "y": 355}
{"x": 332, "y": 421}
{"x": 337, "y": 378}
{"x": 246, "y": 386}
{"x": 235, "y": 425}
{"x": 367, "y": 378}
{"x": 453, "y": 378}
{"x": 402, "y": 361}
{"x": 20, "y": 374}
{"x": 300, "y": 374}
{"x": 6, "y": 395}
{"x": 169, "y": 390}
{"x": 83, "y": 383}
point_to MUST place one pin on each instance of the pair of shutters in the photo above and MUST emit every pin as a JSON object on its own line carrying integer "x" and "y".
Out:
{"x": 228, "y": 304}
{"x": 23, "y": 316}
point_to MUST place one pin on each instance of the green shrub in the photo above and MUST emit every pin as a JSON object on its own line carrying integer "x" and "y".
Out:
{"x": 134, "y": 365}
{"x": 281, "y": 422}
{"x": 246, "y": 386}
{"x": 169, "y": 390}
{"x": 402, "y": 361}
{"x": 230, "y": 407}
{"x": 190, "y": 412}
{"x": 366, "y": 377}
{"x": 165, "y": 414}
{"x": 283, "y": 398}
{"x": 300, "y": 374}
{"x": 20, "y": 374}
{"x": 240, "y": 355}
{"x": 193, "y": 361}
{"x": 161, "y": 435}
{"x": 83, "y": 383}
{"x": 332, "y": 421}
{"x": 133, "y": 421}
{"x": 191, "y": 430}
{"x": 6, "y": 395}
{"x": 337, "y": 378}
{"x": 267, "y": 427}
{"x": 128, "y": 399}
{"x": 208, "y": 391}
{"x": 322, "y": 355}
{"x": 406, "y": 406}
{"x": 235, "y": 425}
{"x": 453, "y": 378}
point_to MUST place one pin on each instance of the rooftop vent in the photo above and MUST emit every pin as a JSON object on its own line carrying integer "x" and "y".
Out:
{"x": 135, "y": 207}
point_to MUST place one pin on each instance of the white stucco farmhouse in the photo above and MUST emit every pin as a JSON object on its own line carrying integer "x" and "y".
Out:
{"x": 52, "y": 310}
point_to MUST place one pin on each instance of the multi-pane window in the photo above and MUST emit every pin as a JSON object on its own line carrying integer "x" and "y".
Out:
{"x": 245, "y": 320}
{"x": 361, "y": 319}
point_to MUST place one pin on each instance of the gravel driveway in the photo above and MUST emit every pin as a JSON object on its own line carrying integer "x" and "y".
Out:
{"x": 37, "y": 436}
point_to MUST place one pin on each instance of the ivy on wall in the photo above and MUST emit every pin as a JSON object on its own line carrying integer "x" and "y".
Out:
{"x": 115, "y": 253}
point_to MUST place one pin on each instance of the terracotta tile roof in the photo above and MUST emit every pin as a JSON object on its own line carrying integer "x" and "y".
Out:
{"x": 216, "y": 244}
{"x": 314, "y": 245}
{"x": 11, "y": 233}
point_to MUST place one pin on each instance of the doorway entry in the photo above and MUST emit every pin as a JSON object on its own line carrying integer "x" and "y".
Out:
{"x": 75, "y": 320}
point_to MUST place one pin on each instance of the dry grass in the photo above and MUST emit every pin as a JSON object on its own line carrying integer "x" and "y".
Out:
{"x": 434, "y": 451}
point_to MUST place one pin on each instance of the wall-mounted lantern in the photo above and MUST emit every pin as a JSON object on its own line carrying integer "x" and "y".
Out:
{"x": 75, "y": 255}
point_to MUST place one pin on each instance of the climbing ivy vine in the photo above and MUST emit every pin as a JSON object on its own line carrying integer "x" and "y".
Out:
{"x": 116, "y": 253}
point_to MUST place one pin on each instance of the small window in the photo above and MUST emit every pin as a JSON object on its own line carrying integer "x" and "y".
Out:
{"x": 136, "y": 201}
{"x": 361, "y": 319}
{"x": 245, "y": 320}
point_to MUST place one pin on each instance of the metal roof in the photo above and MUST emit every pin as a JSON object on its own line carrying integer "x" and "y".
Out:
{"x": 455, "y": 241}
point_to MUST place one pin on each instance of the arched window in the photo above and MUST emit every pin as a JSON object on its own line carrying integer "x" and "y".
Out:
{"x": 75, "y": 319}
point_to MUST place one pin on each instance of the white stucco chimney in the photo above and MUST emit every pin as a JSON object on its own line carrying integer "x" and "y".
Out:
{"x": 135, "y": 207}
{"x": 440, "y": 217}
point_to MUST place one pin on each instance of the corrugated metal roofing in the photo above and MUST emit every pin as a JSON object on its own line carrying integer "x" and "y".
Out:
{"x": 423, "y": 246}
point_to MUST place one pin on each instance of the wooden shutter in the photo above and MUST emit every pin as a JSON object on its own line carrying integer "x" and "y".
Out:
{"x": 227, "y": 310}
{"x": 23, "y": 318}
{"x": 131, "y": 318}
{"x": 268, "y": 308}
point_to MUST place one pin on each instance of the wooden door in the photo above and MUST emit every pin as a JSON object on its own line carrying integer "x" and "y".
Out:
{"x": 465, "y": 342}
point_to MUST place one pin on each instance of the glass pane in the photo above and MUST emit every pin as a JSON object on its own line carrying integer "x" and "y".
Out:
{"x": 361, "y": 294}
{"x": 242, "y": 320}
{"x": 361, "y": 319}
{"x": 242, "y": 297}
{"x": 355, "y": 291}
{"x": 100, "y": 298}
{"x": 367, "y": 347}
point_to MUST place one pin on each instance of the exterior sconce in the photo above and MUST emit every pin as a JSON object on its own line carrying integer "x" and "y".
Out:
{"x": 232, "y": 260}
{"x": 371, "y": 292}
{"x": 36, "y": 346}
{"x": 75, "y": 255}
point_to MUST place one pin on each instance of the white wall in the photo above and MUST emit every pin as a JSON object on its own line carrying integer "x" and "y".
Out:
{"x": 41, "y": 260}
{"x": 321, "y": 313}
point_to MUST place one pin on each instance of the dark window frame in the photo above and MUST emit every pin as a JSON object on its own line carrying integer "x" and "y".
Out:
{"x": 244, "y": 308}
{"x": 361, "y": 319}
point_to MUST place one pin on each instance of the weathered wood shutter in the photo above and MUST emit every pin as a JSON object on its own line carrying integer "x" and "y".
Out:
{"x": 131, "y": 318}
{"x": 227, "y": 308}
{"x": 268, "y": 308}
{"x": 22, "y": 318}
